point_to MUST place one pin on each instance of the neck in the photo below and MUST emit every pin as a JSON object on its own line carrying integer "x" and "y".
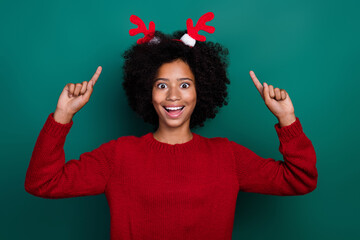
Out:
{"x": 173, "y": 135}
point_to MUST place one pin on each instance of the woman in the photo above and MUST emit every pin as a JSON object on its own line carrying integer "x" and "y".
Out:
{"x": 173, "y": 183}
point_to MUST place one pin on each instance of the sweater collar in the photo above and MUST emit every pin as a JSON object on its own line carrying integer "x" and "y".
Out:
{"x": 171, "y": 148}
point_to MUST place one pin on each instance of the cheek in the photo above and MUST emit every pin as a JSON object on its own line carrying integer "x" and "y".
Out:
{"x": 156, "y": 98}
{"x": 191, "y": 96}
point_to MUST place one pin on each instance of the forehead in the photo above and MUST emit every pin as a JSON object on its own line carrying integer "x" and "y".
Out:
{"x": 177, "y": 68}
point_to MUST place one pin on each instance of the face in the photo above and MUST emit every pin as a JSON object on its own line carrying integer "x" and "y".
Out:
{"x": 174, "y": 86}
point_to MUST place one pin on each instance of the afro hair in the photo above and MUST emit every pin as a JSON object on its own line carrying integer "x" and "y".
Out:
{"x": 207, "y": 60}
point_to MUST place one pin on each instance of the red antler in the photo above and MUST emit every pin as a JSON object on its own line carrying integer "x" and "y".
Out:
{"x": 149, "y": 34}
{"x": 200, "y": 25}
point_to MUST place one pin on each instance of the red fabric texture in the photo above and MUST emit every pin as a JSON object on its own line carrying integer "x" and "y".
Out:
{"x": 160, "y": 191}
{"x": 200, "y": 25}
{"x": 148, "y": 34}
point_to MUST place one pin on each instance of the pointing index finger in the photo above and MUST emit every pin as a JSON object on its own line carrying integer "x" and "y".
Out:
{"x": 96, "y": 75}
{"x": 256, "y": 82}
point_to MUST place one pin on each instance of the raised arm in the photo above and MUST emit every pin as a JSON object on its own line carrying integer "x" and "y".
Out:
{"x": 48, "y": 175}
{"x": 296, "y": 175}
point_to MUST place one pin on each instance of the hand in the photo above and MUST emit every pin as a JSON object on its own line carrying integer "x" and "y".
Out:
{"x": 74, "y": 97}
{"x": 277, "y": 100}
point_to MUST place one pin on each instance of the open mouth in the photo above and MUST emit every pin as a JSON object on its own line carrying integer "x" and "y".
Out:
{"x": 170, "y": 110}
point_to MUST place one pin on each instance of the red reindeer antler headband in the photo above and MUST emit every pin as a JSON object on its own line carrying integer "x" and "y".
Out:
{"x": 188, "y": 38}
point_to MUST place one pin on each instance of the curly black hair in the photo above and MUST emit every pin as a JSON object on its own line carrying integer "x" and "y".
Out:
{"x": 207, "y": 60}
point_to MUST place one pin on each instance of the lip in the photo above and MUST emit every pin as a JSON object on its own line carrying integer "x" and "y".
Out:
{"x": 174, "y": 115}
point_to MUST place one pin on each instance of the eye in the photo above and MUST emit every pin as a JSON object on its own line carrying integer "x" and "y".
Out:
{"x": 160, "y": 84}
{"x": 187, "y": 84}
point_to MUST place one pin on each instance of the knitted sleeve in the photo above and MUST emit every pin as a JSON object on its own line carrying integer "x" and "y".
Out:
{"x": 296, "y": 175}
{"x": 48, "y": 176}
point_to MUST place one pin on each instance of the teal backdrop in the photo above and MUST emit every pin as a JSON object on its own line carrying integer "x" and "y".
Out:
{"x": 309, "y": 48}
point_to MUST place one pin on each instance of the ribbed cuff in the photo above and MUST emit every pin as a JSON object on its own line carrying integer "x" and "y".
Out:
{"x": 288, "y": 132}
{"x": 56, "y": 129}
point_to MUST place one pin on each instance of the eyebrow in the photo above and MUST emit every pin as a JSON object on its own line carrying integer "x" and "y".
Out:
{"x": 179, "y": 79}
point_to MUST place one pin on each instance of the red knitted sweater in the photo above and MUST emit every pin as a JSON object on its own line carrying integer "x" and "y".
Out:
{"x": 160, "y": 191}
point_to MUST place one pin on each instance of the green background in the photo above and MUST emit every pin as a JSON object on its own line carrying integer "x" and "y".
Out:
{"x": 309, "y": 48}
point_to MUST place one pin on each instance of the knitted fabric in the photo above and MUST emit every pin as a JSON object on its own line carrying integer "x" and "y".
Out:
{"x": 160, "y": 191}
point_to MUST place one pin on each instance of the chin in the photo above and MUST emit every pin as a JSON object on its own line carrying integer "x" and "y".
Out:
{"x": 174, "y": 123}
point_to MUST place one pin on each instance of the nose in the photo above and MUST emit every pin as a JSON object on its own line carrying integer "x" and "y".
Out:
{"x": 173, "y": 94}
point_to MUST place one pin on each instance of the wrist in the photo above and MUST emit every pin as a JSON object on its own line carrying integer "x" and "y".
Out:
{"x": 62, "y": 117}
{"x": 287, "y": 120}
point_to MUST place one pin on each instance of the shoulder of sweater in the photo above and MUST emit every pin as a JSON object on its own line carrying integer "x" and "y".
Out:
{"x": 217, "y": 140}
{"x": 127, "y": 139}
{"x": 123, "y": 143}
{"x": 225, "y": 141}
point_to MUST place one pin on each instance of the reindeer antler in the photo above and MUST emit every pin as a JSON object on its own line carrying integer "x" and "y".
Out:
{"x": 200, "y": 25}
{"x": 148, "y": 34}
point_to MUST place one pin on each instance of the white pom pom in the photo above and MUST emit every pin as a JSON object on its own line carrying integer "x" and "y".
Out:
{"x": 154, "y": 40}
{"x": 188, "y": 40}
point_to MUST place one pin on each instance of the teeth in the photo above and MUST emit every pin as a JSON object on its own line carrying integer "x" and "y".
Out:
{"x": 173, "y": 108}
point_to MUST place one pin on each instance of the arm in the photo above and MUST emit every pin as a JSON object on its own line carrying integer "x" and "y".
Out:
{"x": 48, "y": 175}
{"x": 296, "y": 175}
